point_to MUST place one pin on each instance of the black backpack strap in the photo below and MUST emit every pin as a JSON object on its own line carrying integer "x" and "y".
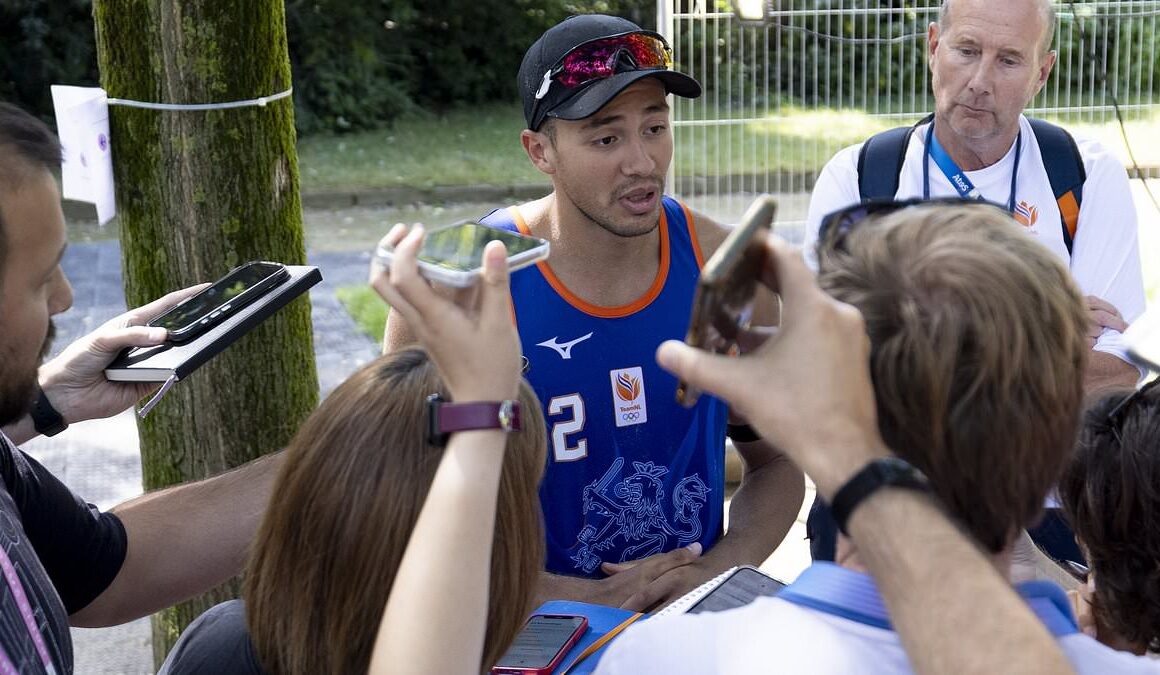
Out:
{"x": 1065, "y": 171}
{"x": 884, "y": 153}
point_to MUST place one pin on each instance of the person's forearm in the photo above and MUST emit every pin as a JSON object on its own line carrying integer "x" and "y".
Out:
{"x": 21, "y": 431}
{"x": 449, "y": 550}
{"x": 182, "y": 541}
{"x": 761, "y": 512}
{"x": 946, "y": 599}
{"x": 1105, "y": 371}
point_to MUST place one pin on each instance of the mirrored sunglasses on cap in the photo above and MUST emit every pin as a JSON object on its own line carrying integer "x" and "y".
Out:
{"x": 598, "y": 59}
{"x": 836, "y": 226}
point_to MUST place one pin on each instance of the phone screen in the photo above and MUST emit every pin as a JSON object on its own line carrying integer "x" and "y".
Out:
{"x": 540, "y": 641}
{"x": 460, "y": 247}
{"x": 741, "y": 588}
{"x": 230, "y": 287}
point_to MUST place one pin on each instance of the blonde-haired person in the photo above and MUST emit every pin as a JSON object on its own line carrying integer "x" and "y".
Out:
{"x": 366, "y": 508}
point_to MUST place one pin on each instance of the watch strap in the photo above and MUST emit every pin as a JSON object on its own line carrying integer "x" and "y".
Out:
{"x": 45, "y": 418}
{"x": 742, "y": 433}
{"x": 883, "y": 472}
{"x": 445, "y": 418}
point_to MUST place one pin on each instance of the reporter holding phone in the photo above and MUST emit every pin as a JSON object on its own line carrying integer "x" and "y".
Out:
{"x": 350, "y": 531}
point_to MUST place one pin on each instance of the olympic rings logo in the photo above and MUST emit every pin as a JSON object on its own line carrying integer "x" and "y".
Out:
{"x": 630, "y": 417}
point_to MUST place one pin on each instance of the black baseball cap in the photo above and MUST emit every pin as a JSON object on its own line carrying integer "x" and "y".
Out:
{"x": 582, "y": 101}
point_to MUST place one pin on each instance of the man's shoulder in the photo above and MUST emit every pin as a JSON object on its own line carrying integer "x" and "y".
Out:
{"x": 1090, "y": 656}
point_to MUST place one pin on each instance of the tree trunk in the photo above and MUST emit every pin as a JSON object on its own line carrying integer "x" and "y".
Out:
{"x": 197, "y": 194}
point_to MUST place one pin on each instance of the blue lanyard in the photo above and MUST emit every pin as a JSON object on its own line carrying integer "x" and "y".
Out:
{"x": 958, "y": 178}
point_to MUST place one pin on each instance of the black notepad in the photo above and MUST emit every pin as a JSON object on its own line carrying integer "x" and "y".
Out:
{"x": 177, "y": 361}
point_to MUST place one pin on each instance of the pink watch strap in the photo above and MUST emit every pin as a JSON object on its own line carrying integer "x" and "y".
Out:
{"x": 446, "y": 418}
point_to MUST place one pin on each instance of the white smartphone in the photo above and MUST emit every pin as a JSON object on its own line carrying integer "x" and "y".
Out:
{"x": 1143, "y": 339}
{"x": 453, "y": 255}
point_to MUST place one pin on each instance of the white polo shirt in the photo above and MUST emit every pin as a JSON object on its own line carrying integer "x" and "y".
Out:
{"x": 835, "y": 623}
{"x": 1105, "y": 258}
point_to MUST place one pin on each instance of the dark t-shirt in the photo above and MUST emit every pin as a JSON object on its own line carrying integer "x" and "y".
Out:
{"x": 216, "y": 643}
{"x": 65, "y": 553}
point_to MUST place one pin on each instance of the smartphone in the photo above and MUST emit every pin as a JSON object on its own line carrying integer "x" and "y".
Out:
{"x": 740, "y": 588}
{"x": 541, "y": 645}
{"x": 1143, "y": 339}
{"x": 227, "y": 295}
{"x": 723, "y": 304}
{"x": 453, "y": 255}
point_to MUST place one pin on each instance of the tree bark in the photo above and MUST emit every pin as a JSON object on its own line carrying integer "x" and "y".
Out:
{"x": 199, "y": 193}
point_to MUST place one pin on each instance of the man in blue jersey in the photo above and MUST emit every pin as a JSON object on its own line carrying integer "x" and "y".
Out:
{"x": 633, "y": 496}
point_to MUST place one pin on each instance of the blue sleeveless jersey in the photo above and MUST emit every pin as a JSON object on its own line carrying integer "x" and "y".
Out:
{"x": 630, "y": 471}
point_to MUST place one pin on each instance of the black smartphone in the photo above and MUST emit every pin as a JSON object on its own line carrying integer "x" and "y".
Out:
{"x": 541, "y": 645}
{"x": 740, "y": 588}
{"x": 723, "y": 304}
{"x": 227, "y": 295}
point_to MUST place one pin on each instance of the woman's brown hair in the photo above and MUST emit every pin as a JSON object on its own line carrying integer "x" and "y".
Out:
{"x": 343, "y": 508}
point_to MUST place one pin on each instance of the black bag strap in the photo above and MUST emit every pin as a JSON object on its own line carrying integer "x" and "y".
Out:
{"x": 1065, "y": 171}
{"x": 884, "y": 153}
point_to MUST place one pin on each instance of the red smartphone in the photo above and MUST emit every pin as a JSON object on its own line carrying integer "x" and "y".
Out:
{"x": 541, "y": 645}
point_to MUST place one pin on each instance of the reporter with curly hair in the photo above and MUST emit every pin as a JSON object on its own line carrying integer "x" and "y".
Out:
{"x": 1111, "y": 494}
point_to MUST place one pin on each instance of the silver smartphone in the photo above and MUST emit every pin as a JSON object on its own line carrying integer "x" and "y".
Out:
{"x": 453, "y": 255}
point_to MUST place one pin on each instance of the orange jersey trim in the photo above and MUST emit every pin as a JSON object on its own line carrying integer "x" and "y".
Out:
{"x": 693, "y": 235}
{"x": 579, "y": 303}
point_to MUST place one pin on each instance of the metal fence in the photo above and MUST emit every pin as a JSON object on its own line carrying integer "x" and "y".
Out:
{"x": 781, "y": 98}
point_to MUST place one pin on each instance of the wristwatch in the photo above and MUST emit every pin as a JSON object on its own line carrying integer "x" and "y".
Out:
{"x": 883, "y": 472}
{"x": 45, "y": 418}
{"x": 445, "y": 418}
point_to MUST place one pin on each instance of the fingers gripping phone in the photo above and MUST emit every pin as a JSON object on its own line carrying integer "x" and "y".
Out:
{"x": 541, "y": 645}
{"x": 453, "y": 255}
{"x": 723, "y": 304}
{"x": 226, "y": 296}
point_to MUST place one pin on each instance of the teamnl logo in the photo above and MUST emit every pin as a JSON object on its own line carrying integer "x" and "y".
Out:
{"x": 628, "y": 396}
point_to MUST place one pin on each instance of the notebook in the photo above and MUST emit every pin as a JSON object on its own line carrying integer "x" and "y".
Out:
{"x": 735, "y": 587}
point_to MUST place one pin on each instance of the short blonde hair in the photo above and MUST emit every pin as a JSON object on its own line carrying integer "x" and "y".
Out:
{"x": 978, "y": 345}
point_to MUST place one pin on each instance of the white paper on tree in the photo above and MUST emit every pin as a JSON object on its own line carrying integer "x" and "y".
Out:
{"x": 82, "y": 120}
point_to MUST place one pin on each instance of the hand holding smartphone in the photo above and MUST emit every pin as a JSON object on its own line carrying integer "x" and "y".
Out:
{"x": 723, "y": 304}
{"x": 541, "y": 645}
{"x": 206, "y": 309}
{"x": 453, "y": 255}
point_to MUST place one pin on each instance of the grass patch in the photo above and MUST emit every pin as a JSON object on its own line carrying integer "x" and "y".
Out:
{"x": 480, "y": 145}
{"x": 475, "y": 146}
{"x": 366, "y": 308}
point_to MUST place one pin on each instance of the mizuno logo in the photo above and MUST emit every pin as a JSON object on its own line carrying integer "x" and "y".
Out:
{"x": 564, "y": 349}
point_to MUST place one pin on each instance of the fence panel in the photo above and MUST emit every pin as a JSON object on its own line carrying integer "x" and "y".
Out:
{"x": 781, "y": 98}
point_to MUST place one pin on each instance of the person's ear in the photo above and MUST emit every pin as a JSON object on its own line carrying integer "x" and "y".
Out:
{"x": 540, "y": 150}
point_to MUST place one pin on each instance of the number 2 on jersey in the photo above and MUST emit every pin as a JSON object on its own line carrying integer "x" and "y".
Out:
{"x": 573, "y": 403}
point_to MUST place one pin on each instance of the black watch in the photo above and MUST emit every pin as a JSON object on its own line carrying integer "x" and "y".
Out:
{"x": 45, "y": 418}
{"x": 884, "y": 472}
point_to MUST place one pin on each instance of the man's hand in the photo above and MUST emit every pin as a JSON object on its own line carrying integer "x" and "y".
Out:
{"x": 808, "y": 387}
{"x": 1102, "y": 315}
{"x": 75, "y": 383}
{"x": 668, "y": 585}
{"x": 633, "y": 585}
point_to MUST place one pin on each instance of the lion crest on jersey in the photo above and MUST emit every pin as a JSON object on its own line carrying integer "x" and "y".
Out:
{"x": 631, "y": 512}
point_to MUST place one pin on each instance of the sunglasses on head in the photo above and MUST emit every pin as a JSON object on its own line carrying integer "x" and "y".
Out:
{"x": 604, "y": 57}
{"x": 1116, "y": 415}
{"x": 836, "y": 226}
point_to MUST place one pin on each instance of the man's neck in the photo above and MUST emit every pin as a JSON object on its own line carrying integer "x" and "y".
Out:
{"x": 595, "y": 264}
{"x": 973, "y": 154}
